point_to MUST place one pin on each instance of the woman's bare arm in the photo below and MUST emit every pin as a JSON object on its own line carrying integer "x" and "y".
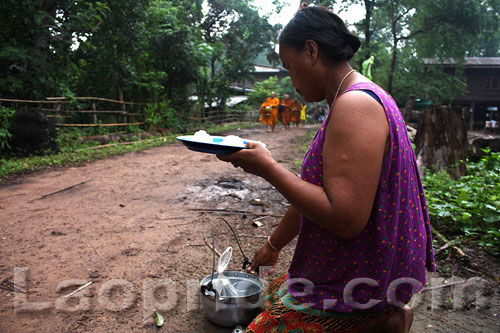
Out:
{"x": 352, "y": 158}
{"x": 284, "y": 233}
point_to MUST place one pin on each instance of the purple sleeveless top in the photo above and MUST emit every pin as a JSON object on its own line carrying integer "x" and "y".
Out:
{"x": 385, "y": 264}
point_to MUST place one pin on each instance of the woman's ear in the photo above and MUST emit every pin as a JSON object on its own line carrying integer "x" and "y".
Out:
{"x": 312, "y": 51}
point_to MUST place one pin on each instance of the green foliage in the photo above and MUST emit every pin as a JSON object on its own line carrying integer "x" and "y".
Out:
{"x": 487, "y": 42}
{"x": 303, "y": 143}
{"x": 263, "y": 89}
{"x": 443, "y": 23}
{"x": 149, "y": 51}
{"x": 35, "y": 43}
{"x": 286, "y": 87}
{"x": 167, "y": 67}
{"x": 401, "y": 33}
{"x": 429, "y": 82}
{"x": 6, "y": 115}
{"x": 144, "y": 51}
{"x": 236, "y": 34}
{"x": 156, "y": 115}
{"x": 469, "y": 205}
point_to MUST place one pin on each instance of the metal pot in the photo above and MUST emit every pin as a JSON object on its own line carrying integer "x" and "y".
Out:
{"x": 234, "y": 310}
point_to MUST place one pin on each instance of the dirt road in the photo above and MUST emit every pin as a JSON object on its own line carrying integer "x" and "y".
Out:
{"x": 136, "y": 221}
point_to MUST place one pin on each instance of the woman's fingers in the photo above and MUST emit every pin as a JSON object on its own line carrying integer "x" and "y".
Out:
{"x": 227, "y": 157}
{"x": 252, "y": 144}
{"x": 253, "y": 267}
{"x": 255, "y": 160}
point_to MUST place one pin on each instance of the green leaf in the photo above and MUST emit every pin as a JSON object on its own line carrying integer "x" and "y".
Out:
{"x": 466, "y": 215}
{"x": 490, "y": 207}
{"x": 491, "y": 218}
{"x": 158, "y": 319}
{"x": 444, "y": 213}
{"x": 494, "y": 232}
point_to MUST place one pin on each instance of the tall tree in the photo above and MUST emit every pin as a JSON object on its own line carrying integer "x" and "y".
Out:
{"x": 36, "y": 38}
{"x": 107, "y": 58}
{"x": 436, "y": 26}
{"x": 235, "y": 34}
{"x": 169, "y": 54}
{"x": 487, "y": 41}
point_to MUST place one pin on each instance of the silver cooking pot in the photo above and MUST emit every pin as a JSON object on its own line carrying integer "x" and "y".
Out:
{"x": 230, "y": 311}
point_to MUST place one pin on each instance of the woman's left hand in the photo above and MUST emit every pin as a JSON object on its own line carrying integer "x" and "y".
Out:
{"x": 255, "y": 160}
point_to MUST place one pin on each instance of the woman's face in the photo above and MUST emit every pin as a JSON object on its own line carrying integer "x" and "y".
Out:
{"x": 302, "y": 72}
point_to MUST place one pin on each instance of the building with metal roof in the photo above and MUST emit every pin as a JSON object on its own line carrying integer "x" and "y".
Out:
{"x": 482, "y": 75}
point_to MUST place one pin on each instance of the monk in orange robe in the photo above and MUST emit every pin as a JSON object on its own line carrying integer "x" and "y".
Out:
{"x": 297, "y": 106}
{"x": 269, "y": 111}
{"x": 288, "y": 105}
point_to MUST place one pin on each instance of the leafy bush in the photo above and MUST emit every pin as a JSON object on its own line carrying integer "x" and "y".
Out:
{"x": 469, "y": 206}
{"x": 161, "y": 115}
{"x": 6, "y": 115}
{"x": 262, "y": 91}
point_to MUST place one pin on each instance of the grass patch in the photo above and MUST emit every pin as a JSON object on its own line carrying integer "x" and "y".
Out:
{"x": 74, "y": 152}
{"x": 302, "y": 143}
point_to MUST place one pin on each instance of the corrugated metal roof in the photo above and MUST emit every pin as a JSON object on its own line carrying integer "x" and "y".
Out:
{"x": 265, "y": 69}
{"x": 487, "y": 61}
{"x": 469, "y": 61}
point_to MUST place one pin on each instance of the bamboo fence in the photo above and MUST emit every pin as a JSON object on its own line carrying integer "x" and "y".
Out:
{"x": 62, "y": 108}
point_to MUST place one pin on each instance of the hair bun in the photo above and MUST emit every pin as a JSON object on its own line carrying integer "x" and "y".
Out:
{"x": 321, "y": 25}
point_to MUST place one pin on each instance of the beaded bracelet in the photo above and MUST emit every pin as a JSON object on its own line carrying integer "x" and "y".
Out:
{"x": 271, "y": 245}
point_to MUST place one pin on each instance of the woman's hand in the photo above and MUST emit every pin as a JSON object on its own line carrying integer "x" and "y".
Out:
{"x": 265, "y": 256}
{"x": 255, "y": 160}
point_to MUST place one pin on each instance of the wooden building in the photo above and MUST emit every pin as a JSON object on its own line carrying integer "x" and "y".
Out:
{"x": 483, "y": 90}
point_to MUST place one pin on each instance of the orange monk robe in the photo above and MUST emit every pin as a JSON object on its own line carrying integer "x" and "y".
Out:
{"x": 296, "y": 113}
{"x": 286, "y": 115}
{"x": 272, "y": 119}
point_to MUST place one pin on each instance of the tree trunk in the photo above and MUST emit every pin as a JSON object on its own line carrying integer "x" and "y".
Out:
{"x": 368, "y": 4}
{"x": 395, "y": 40}
{"x": 367, "y": 23}
{"x": 409, "y": 108}
{"x": 393, "y": 66}
{"x": 441, "y": 140}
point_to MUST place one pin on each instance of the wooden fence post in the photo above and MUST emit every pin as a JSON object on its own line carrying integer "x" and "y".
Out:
{"x": 58, "y": 114}
{"x": 94, "y": 114}
{"x": 124, "y": 109}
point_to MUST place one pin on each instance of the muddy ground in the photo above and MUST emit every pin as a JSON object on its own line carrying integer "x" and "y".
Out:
{"x": 144, "y": 218}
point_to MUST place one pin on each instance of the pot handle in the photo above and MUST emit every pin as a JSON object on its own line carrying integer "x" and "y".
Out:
{"x": 247, "y": 263}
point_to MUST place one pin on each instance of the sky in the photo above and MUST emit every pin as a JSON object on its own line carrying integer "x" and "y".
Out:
{"x": 353, "y": 14}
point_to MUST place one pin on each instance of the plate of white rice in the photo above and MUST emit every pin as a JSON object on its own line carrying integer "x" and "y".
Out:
{"x": 203, "y": 142}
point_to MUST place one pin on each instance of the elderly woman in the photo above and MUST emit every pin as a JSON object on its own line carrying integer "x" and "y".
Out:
{"x": 358, "y": 209}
